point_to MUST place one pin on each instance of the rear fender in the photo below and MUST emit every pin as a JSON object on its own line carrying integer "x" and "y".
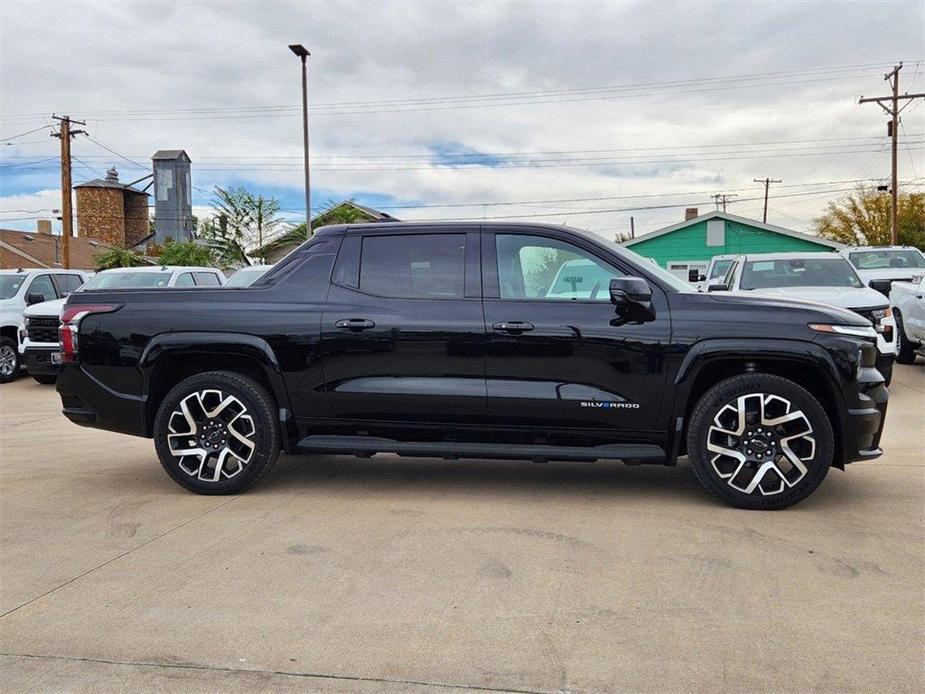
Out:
{"x": 249, "y": 348}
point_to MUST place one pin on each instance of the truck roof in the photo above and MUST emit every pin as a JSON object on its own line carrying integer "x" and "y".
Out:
{"x": 160, "y": 268}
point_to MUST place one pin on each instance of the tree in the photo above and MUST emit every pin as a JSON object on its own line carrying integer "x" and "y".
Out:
{"x": 185, "y": 253}
{"x": 229, "y": 232}
{"x": 266, "y": 216}
{"x": 334, "y": 213}
{"x": 117, "y": 257}
{"x": 862, "y": 218}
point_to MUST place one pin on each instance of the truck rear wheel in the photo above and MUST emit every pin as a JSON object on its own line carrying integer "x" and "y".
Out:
{"x": 217, "y": 433}
{"x": 759, "y": 441}
{"x": 905, "y": 350}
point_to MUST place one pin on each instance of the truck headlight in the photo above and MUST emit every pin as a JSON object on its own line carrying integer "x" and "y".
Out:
{"x": 879, "y": 315}
{"x": 854, "y": 330}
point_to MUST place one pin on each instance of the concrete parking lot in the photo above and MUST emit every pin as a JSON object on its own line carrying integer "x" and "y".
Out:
{"x": 397, "y": 575}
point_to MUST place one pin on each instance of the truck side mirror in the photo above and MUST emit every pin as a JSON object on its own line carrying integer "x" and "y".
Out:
{"x": 34, "y": 299}
{"x": 694, "y": 275}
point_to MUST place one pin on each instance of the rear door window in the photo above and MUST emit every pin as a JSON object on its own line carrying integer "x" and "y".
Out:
{"x": 185, "y": 280}
{"x": 207, "y": 279}
{"x": 414, "y": 266}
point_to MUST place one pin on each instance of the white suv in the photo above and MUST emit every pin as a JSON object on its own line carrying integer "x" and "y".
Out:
{"x": 880, "y": 266}
{"x": 19, "y": 289}
{"x": 38, "y": 334}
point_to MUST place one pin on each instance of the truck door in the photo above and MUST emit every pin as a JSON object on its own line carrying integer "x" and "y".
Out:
{"x": 558, "y": 353}
{"x": 402, "y": 330}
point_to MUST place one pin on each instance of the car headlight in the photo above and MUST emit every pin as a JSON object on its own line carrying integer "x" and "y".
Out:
{"x": 854, "y": 330}
{"x": 25, "y": 322}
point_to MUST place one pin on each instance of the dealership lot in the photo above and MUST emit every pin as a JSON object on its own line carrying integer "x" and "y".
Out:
{"x": 407, "y": 575}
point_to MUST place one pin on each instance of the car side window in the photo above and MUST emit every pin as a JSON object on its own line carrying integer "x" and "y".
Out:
{"x": 545, "y": 269}
{"x": 43, "y": 285}
{"x": 414, "y": 266}
{"x": 185, "y": 280}
{"x": 207, "y": 279}
{"x": 68, "y": 283}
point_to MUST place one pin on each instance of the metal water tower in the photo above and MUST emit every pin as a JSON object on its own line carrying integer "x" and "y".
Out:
{"x": 173, "y": 196}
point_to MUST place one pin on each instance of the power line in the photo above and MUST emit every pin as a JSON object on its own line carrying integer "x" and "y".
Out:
{"x": 28, "y": 132}
{"x": 498, "y": 99}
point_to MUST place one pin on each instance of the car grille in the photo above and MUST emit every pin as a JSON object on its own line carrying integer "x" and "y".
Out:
{"x": 43, "y": 330}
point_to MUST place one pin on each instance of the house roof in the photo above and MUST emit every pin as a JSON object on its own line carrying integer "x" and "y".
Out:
{"x": 717, "y": 214}
{"x": 170, "y": 154}
{"x": 372, "y": 215}
{"x": 31, "y": 249}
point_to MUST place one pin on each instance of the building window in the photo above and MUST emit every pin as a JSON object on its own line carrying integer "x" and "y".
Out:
{"x": 716, "y": 232}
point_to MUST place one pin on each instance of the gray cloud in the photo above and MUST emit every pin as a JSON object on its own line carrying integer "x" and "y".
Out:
{"x": 101, "y": 58}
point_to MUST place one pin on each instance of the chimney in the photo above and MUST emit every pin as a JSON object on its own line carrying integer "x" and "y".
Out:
{"x": 43, "y": 226}
{"x": 690, "y": 213}
{"x": 112, "y": 175}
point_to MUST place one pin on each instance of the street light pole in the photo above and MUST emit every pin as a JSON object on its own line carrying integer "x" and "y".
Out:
{"x": 303, "y": 54}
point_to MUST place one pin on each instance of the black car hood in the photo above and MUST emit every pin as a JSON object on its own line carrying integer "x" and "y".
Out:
{"x": 825, "y": 312}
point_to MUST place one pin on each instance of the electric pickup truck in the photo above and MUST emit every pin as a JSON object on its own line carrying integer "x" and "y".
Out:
{"x": 468, "y": 340}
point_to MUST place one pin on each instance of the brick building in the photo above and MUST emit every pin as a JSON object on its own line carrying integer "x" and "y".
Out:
{"x": 111, "y": 212}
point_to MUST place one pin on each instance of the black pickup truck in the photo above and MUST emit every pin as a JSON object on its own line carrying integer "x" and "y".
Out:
{"x": 466, "y": 340}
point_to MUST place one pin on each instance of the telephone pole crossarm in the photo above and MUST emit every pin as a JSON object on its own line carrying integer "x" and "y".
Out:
{"x": 890, "y": 105}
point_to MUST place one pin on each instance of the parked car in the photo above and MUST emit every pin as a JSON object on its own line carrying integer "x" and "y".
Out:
{"x": 19, "y": 289}
{"x": 821, "y": 277}
{"x": 716, "y": 271}
{"x": 246, "y": 276}
{"x": 908, "y": 302}
{"x": 445, "y": 340}
{"x": 880, "y": 266}
{"x": 39, "y": 348}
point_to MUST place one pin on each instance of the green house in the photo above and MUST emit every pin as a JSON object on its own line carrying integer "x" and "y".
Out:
{"x": 691, "y": 244}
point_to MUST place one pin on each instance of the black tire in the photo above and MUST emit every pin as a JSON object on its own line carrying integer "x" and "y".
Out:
{"x": 9, "y": 367}
{"x": 773, "y": 391}
{"x": 45, "y": 379}
{"x": 259, "y": 406}
{"x": 905, "y": 350}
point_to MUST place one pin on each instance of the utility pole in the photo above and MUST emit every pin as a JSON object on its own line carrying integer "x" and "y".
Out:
{"x": 67, "y": 221}
{"x": 767, "y": 184}
{"x": 303, "y": 54}
{"x": 893, "y": 112}
{"x": 632, "y": 228}
{"x": 723, "y": 198}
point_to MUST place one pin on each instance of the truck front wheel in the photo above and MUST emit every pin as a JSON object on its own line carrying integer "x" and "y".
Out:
{"x": 217, "y": 432}
{"x": 759, "y": 441}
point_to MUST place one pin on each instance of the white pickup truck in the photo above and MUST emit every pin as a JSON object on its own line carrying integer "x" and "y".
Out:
{"x": 908, "y": 302}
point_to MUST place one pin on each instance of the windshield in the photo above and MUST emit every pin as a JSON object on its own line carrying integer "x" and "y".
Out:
{"x": 799, "y": 272}
{"x": 887, "y": 259}
{"x": 128, "y": 280}
{"x": 10, "y": 284}
{"x": 246, "y": 276}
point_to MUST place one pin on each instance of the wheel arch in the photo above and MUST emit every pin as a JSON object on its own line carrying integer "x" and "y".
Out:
{"x": 172, "y": 357}
{"x": 804, "y": 363}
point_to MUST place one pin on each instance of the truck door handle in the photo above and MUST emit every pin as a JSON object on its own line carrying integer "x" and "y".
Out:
{"x": 355, "y": 325}
{"x": 513, "y": 327}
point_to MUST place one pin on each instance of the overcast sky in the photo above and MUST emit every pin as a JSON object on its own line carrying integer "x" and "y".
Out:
{"x": 580, "y": 111}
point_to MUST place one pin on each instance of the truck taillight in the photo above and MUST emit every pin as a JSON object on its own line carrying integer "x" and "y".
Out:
{"x": 69, "y": 328}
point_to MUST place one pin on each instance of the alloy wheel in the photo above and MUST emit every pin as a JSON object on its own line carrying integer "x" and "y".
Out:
{"x": 761, "y": 444}
{"x": 212, "y": 435}
{"x": 7, "y": 360}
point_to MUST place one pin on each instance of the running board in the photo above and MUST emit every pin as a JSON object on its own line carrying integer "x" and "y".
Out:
{"x": 365, "y": 446}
